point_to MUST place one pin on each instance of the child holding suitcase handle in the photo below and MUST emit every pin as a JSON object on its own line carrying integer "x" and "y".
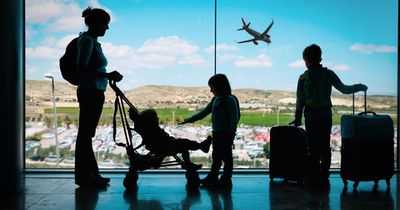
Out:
{"x": 313, "y": 95}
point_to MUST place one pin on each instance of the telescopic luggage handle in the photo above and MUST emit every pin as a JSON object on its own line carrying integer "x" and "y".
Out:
{"x": 365, "y": 104}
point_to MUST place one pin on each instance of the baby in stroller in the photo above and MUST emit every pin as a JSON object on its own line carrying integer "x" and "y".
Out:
{"x": 159, "y": 142}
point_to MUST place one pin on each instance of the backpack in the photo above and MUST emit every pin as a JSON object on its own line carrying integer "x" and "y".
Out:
{"x": 68, "y": 68}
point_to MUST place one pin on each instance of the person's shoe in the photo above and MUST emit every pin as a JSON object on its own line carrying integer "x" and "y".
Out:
{"x": 91, "y": 183}
{"x": 205, "y": 145}
{"x": 209, "y": 182}
{"x": 225, "y": 183}
{"x": 104, "y": 179}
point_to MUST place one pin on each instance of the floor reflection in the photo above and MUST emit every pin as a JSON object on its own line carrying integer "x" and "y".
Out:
{"x": 168, "y": 191}
{"x": 134, "y": 203}
{"x": 221, "y": 199}
{"x": 193, "y": 197}
{"x": 291, "y": 195}
{"x": 373, "y": 199}
{"x": 87, "y": 198}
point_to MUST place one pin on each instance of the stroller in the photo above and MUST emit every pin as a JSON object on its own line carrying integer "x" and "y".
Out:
{"x": 137, "y": 161}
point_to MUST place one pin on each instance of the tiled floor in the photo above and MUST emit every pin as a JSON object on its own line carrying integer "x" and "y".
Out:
{"x": 167, "y": 191}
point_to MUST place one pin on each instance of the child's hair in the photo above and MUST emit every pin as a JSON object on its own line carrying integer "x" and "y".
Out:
{"x": 148, "y": 117}
{"x": 220, "y": 84}
{"x": 312, "y": 54}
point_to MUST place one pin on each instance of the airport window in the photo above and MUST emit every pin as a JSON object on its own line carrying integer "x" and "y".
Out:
{"x": 165, "y": 50}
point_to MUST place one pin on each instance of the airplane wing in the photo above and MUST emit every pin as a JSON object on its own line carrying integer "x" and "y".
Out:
{"x": 269, "y": 27}
{"x": 250, "y": 40}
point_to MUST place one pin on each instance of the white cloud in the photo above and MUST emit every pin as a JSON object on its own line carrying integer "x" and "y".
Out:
{"x": 228, "y": 57}
{"x": 337, "y": 67}
{"x": 39, "y": 11}
{"x": 341, "y": 67}
{"x": 117, "y": 51}
{"x": 75, "y": 23}
{"x": 297, "y": 64}
{"x": 192, "y": 59}
{"x": 57, "y": 15}
{"x": 261, "y": 61}
{"x": 49, "y": 48}
{"x": 43, "y": 53}
{"x": 171, "y": 45}
{"x": 221, "y": 47}
{"x": 157, "y": 53}
{"x": 371, "y": 48}
{"x": 153, "y": 54}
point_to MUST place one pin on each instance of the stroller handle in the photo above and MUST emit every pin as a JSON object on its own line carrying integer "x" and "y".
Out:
{"x": 119, "y": 93}
{"x": 119, "y": 108}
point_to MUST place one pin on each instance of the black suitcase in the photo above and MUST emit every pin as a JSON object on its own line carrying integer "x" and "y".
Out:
{"x": 289, "y": 153}
{"x": 367, "y": 151}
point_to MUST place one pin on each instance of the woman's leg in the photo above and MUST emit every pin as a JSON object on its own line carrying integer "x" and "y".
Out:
{"x": 90, "y": 107}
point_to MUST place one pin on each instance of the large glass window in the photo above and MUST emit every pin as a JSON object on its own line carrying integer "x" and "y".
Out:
{"x": 165, "y": 50}
{"x": 358, "y": 42}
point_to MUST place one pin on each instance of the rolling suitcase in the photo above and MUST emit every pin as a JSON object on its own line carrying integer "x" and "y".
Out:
{"x": 289, "y": 153}
{"x": 367, "y": 151}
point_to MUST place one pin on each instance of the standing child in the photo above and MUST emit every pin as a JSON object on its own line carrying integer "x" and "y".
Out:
{"x": 225, "y": 115}
{"x": 314, "y": 90}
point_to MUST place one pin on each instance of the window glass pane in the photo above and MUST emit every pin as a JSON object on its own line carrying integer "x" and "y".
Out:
{"x": 359, "y": 43}
{"x": 163, "y": 49}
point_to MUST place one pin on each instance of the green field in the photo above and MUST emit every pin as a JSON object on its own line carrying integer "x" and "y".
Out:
{"x": 169, "y": 116}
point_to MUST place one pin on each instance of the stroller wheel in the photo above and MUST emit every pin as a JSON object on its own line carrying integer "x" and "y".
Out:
{"x": 193, "y": 179}
{"x": 131, "y": 179}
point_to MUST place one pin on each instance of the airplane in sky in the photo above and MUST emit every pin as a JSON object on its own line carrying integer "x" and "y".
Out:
{"x": 257, "y": 36}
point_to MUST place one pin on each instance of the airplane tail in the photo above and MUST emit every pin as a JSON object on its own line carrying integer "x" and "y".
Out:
{"x": 245, "y": 26}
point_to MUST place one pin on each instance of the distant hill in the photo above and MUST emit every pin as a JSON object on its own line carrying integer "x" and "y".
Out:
{"x": 38, "y": 93}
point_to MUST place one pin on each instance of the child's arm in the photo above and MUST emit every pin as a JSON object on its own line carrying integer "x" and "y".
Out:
{"x": 200, "y": 115}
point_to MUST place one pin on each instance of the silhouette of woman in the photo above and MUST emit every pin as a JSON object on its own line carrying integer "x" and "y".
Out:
{"x": 92, "y": 63}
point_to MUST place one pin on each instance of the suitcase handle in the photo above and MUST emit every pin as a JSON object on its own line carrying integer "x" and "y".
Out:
{"x": 365, "y": 103}
{"x": 367, "y": 112}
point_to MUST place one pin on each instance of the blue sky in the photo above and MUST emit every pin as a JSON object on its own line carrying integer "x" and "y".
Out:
{"x": 171, "y": 42}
